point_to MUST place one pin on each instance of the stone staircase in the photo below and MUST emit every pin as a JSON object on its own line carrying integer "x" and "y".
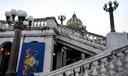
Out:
{"x": 108, "y": 63}
{"x": 81, "y": 40}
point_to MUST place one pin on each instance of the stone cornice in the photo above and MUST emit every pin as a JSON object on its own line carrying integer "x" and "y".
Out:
{"x": 33, "y": 33}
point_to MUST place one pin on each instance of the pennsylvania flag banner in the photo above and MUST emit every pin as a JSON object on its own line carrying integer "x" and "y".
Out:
{"x": 31, "y": 59}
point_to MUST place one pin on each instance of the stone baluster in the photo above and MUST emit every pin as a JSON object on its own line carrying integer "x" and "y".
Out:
{"x": 96, "y": 39}
{"x": 84, "y": 35}
{"x": 75, "y": 34}
{"x": 86, "y": 73}
{"x": 86, "y": 70}
{"x": 102, "y": 68}
{"x": 72, "y": 32}
{"x": 113, "y": 58}
{"x": 40, "y": 23}
{"x": 111, "y": 67}
{"x": 122, "y": 57}
{"x": 92, "y": 38}
{"x": 78, "y": 35}
{"x": 126, "y": 59}
{"x": 88, "y": 37}
{"x": 94, "y": 69}
{"x": 69, "y": 73}
{"x": 69, "y": 32}
{"x": 44, "y": 23}
{"x": 36, "y": 24}
{"x": 64, "y": 31}
{"x": 104, "y": 60}
{"x": 77, "y": 70}
{"x": 103, "y": 42}
{"x": 118, "y": 62}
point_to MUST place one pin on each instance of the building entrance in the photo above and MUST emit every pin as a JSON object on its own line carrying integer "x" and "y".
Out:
{"x": 5, "y": 50}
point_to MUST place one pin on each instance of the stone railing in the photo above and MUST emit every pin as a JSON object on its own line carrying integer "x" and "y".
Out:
{"x": 109, "y": 63}
{"x": 3, "y": 25}
{"x": 38, "y": 24}
{"x": 84, "y": 35}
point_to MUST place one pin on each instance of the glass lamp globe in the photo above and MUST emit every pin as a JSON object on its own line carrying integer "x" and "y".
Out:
{"x": 110, "y": 2}
{"x": 7, "y": 14}
{"x": 24, "y": 14}
{"x": 61, "y": 17}
{"x": 116, "y": 3}
{"x": 105, "y": 5}
{"x": 21, "y": 13}
{"x": 30, "y": 18}
{"x": 13, "y": 12}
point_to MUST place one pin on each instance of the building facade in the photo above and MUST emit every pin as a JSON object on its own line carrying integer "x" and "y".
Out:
{"x": 52, "y": 49}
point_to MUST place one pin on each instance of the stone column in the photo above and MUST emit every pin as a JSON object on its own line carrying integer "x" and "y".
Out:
{"x": 63, "y": 52}
{"x": 61, "y": 58}
{"x": 58, "y": 58}
{"x": 48, "y": 55}
{"x": 82, "y": 56}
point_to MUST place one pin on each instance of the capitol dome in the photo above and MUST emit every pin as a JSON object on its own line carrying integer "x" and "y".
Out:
{"x": 74, "y": 21}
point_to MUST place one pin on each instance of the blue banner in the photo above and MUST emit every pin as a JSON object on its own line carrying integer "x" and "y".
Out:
{"x": 31, "y": 59}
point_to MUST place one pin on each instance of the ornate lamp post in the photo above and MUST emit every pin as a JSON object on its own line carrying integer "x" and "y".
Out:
{"x": 110, "y": 9}
{"x": 61, "y": 18}
{"x": 18, "y": 25}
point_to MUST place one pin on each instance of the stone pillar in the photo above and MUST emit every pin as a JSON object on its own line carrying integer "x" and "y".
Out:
{"x": 58, "y": 59}
{"x": 63, "y": 52}
{"x": 82, "y": 56}
{"x": 116, "y": 40}
{"x": 48, "y": 55}
{"x": 61, "y": 58}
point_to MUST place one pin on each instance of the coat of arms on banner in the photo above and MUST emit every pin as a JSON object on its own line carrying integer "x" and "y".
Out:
{"x": 30, "y": 61}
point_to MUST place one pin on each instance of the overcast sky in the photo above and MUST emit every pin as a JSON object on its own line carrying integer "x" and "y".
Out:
{"x": 90, "y": 12}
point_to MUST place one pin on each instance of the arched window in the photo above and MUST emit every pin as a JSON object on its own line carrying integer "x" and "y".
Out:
{"x": 34, "y": 42}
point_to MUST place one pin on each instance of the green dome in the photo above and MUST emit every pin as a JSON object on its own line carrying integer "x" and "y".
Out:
{"x": 74, "y": 21}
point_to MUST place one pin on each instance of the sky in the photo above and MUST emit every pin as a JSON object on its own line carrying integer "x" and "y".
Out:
{"x": 90, "y": 12}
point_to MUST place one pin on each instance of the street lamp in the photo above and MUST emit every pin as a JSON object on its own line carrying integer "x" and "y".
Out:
{"x": 18, "y": 25}
{"x": 112, "y": 6}
{"x": 61, "y": 18}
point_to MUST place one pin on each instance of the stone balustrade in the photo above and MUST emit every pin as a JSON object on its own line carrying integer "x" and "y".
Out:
{"x": 38, "y": 24}
{"x": 84, "y": 35}
{"x": 108, "y": 63}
